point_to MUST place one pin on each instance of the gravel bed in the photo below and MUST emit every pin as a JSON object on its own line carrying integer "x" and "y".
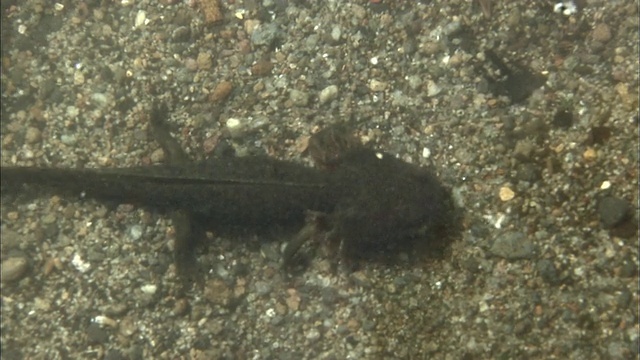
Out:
{"x": 544, "y": 166}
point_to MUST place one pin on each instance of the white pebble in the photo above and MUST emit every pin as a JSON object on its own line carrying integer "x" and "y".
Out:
{"x": 141, "y": 18}
{"x": 149, "y": 289}
{"x": 235, "y": 127}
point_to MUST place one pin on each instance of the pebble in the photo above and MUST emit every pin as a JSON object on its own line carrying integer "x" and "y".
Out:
{"x": 235, "y": 127}
{"x": 262, "y": 67}
{"x": 212, "y": 11}
{"x": 376, "y": 85}
{"x": 336, "y": 33}
{"x": 327, "y": 94}
{"x": 68, "y": 139}
{"x": 262, "y": 288}
{"x": 590, "y": 154}
{"x": 217, "y": 292}
{"x": 506, "y": 193}
{"x": 78, "y": 78}
{"x": 523, "y": 150}
{"x": 601, "y": 33}
{"x": 299, "y": 98}
{"x": 513, "y": 246}
{"x": 547, "y": 270}
{"x": 181, "y": 307}
{"x": 96, "y": 334}
{"x": 264, "y": 34}
{"x": 293, "y": 300}
{"x": 135, "y": 232}
{"x": 204, "y": 61}
{"x": 432, "y": 88}
{"x": 612, "y": 211}
{"x": 221, "y": 91}
{"x": 250, "y": 25}
{"x": 157, "y": 156}
{"x": 313, "y": 335}
{"x": 32, "y": 135}
{"x": 14, "y": 268}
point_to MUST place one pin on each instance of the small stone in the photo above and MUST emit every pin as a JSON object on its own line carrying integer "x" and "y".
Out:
{"x": 299, "y": 98}
{"x": 264, "y": 34}
{"x": 431, "y": 48}
{"x": 157, "y": 156}
{"x": 181, "y": 307}
{"x": 547, "y": 270}
{"x": 293, "y": 301}
{"x": 141, "y": 18}
{"x": 590, "y": 154}
{"x": 432, "y": 88}
{"x": 96, "y": 334}
{"x": 377, "y": 86}
{"x": 523, "y": 150}
{"x": 250, "y": 25}
{"x": 135, "y": 232}
{"x": 262, "y": 67}
{"x": 204, "y": 61}
{"x": 613, "y": 211}
{"x": 78, "y": 78}
{"x": 563, "y": 119}
{"x": 601, "y": 33}
{"x": 127, "y": 326}
{"x": 628, "y": 269}
{"x": 49, "y": 219}
{"x": 14, "y": 269}
{"x": 313, "y": 335}
{"x": 221, "y": 91}
{"x": 32, "y": 135}
{"x": 217, "y": 292}
{"x": 262, "y": 288}
{"x": 149, "y": 289}
{"x": 212, "y": 11}
{"x": 506, "y": 193}
{"x": 105, "y": 321}
{"x": 235, "y": 127}
{"x": 512, "y": 246}
{"x": 327, "y": 94}
{"x": 68, "y": 139}
{"x": 336, "y": 33}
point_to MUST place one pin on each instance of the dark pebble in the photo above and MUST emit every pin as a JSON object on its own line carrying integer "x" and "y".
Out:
{"x": 600, "y": 134}
{"x": 628, "y": 269}
{"x": 613, "y": 211}
{"x": 528, "y": 172}
{"x": 97, "y": 334}
{"x": 624, "y": 299}
{"x": 563, "y": 119}
{"x": 547, "y": 270}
